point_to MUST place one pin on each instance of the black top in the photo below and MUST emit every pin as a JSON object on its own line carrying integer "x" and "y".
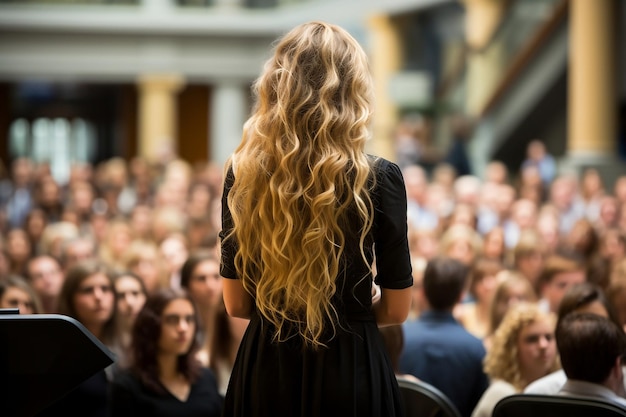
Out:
{"x": 353, "y": 376}
{"x": 130, "y": 397}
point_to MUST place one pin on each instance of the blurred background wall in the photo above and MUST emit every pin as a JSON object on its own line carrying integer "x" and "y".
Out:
{"x": 86, "y": 80}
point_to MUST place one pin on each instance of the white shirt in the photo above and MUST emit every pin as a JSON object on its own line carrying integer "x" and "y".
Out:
{"x": 575, "y": 388}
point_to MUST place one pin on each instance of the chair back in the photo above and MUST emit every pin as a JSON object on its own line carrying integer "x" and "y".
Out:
{"x": 424, "y": 400}
{"x": 536, "y": 405}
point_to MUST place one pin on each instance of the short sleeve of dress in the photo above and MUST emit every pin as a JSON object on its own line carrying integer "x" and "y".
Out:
{"x": 228, "y": 246}
{"x": 391, "y": 246}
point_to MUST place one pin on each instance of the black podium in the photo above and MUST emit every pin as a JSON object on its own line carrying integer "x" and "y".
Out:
{"x": 42, "y": 358}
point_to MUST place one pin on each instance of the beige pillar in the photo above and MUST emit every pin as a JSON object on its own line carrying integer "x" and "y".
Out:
{"x": 157, "y": 114}
{"x": 385, "y": 58}
{"x": 592, "y": 82}
{"x": 485, "y": 60}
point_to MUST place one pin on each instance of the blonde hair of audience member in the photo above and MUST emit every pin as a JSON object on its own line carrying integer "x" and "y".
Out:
{"x": 528, "y": 256}
{"x": 88, "y": 296}
{"x": 55, "y": 235}
{"x": 523, "y": 351}
{"x": 474, "y": 315}
{"x": 461, "y": 242}
{"x": 131, "y": 294}
{"x": 511, "y": 358}
{"x": 116, "y": 243}
{"x": 15, "y": 292}
{"x": 167, "y": 220}
{"x": 76, "y": 250}
{"x": 512, "y": 288}
{"x": 142, "y": 258}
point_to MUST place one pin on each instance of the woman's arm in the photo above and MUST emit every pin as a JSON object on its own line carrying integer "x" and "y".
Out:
{"x": 237, "y": 300}
{"x": 393, "y": 307}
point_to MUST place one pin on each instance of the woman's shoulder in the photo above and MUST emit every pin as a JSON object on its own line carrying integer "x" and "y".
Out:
{"x": 385, "y": 170}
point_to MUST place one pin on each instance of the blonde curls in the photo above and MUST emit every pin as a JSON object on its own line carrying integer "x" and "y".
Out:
{"x": 300, "y": 173}
{"x": 501, "y": 361}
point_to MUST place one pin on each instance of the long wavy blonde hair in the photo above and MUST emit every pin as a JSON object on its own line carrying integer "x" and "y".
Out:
{"x": 299, "y": 171}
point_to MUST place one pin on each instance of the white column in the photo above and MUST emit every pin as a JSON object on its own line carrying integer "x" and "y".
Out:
{"x": 229, "y": 110}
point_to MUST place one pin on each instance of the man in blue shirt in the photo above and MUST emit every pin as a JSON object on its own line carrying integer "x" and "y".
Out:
{"x": 437, "y": 349}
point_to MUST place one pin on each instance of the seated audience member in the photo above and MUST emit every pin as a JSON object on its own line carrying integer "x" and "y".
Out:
{"x": 87, "y": 296}
{"x": 164, "y": 377}
{"x": 523, "y": 350}
{"x": 592, "y": 353}
{"x": 220, "y": 334}
{"x": 560, "y": 273}
{"x": 528, "y": 256}
{"x": 16, "y": 293}
{"x": 46, "y": 277}
{"x": 474, "y": 315}
{"x": 581, "y": 298}
{"x": 131, "y": 294}
{"x": 511, "y": 288}
{"x": 438, "y": 350}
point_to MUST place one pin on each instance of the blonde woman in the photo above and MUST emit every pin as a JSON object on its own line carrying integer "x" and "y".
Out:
{"x": 305, "y": 211}
{"x": 523, "y": 350}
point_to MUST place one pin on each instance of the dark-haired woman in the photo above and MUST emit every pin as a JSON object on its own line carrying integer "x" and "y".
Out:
{"x": 87, "y": 295}
{"x": 164, "y": 377}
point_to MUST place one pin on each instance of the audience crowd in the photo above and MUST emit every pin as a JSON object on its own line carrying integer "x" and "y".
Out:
{"x": 493, "y": 258}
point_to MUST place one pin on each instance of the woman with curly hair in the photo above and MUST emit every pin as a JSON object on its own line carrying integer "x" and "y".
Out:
{"x": 305, "y": 213}
{"x": 523, "y": 350}
{"x": 164, "y": 377}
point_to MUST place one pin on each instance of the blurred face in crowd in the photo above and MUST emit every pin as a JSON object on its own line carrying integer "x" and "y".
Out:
{"x": 205, "y": 284}
{"x": 46, "y": 277}
{"x": 94, "y": 300}
{"x": 536, "y": 349}
{"x": 178, "y": 327}
{"x": 130, "y": 298}
{"x": 14, "y": 297}
{"x": 554, "y": 290}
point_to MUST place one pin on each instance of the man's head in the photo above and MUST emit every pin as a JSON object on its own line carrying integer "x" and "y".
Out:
{"x": 591, "y": 347}
{"x": 444, "y": 282}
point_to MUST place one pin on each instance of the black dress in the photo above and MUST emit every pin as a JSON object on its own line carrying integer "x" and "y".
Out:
{"x": 129, "y": 397}
{"x": 353, "y": 376}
